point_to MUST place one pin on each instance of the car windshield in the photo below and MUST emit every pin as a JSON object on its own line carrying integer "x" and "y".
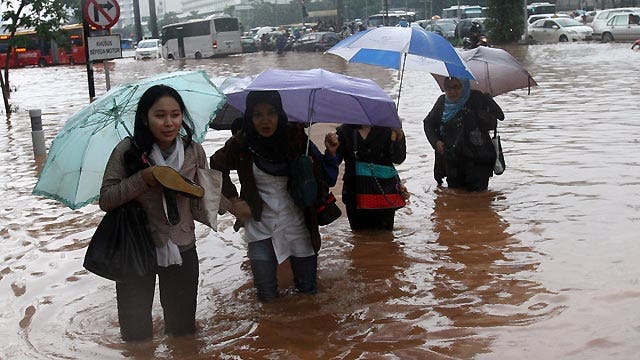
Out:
{"x": 147, "y": 44}
{"x": 447, "y": 26}
{"x": 568, "y": 22}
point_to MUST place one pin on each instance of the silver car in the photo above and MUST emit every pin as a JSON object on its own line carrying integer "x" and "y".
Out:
{"x": 558, "y": 30}
{"x": 602, "y": 17}
{"x": 622, "y": 27}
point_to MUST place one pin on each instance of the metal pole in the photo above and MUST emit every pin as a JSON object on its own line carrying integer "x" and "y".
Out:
{"x": 105, "y": 63}
{"x": 525, "y": 35}
{"x": 386, "y": 12}
{"x": 37, "y": 134}
{"x": 37, "y": 137}
{"x": 85, "y": 37}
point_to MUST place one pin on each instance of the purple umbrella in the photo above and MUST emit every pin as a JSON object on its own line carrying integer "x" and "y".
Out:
{"x": 318, "y": 95}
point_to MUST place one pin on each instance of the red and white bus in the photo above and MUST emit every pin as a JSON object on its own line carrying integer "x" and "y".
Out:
{"x": 32, "y": 50}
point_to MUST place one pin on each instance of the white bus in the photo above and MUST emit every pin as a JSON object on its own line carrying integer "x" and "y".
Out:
{"x": 199, "y": 39}
{"x": 541, "y": 8}
{"x": 377, "y": 20}
{"x": 466, "y": 12}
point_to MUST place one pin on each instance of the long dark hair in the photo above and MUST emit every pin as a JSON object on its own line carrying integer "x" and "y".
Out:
{"x": 141, "y": 133}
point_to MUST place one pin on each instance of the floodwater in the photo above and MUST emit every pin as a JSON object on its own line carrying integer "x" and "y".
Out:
{"x": 542, "y": 266}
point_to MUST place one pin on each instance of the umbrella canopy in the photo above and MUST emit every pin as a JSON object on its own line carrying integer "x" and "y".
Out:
{"x": 225, "y": 117}
{"x": 403, "y": 48}
{"x": 319, "y": 95}
{"x": 496, "y": 71}
{"x": 78, "y": 156}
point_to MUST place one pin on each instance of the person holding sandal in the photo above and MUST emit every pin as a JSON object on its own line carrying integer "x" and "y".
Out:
{"x": 154, "y": 168}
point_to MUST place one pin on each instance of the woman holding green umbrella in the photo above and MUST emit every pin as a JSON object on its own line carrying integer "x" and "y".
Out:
{"x": 160, "y": 115}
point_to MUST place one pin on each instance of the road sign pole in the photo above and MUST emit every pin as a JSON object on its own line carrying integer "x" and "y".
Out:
{"x": 85, "y": 35}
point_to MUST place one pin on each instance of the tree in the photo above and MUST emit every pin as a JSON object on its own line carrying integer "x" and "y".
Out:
{"x": 44, "y": 16}
{"x": 505, "y": 20}
{"x": 168, "y": 19}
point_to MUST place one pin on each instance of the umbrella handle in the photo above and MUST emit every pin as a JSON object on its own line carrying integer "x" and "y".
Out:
{"x": 404, "y": 60}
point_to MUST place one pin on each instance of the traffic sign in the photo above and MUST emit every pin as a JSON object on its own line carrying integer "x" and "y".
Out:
{"x": 102, "y": 14}
{"x": 104, "y": 47}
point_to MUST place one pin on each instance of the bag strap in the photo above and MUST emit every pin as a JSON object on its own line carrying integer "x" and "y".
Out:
{"x": 355, "y": 142}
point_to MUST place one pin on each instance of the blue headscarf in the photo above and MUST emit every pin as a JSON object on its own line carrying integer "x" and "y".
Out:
{"x": 451, "y": 108}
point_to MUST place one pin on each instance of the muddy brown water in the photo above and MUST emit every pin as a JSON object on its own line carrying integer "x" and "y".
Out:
{"x": 542, "y": 266}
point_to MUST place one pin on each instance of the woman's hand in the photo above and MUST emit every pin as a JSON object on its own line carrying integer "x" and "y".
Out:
{"x": 240, "y": 209}
{"x": 404, "y": 192}
{"x": 331, "y": 143}
{"x": 440, "y": 147}
{"x": 147, "y": 176}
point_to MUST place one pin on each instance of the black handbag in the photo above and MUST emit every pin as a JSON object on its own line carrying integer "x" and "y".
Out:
{"x": 500, "y": 165}
{"x": 121, "y": 248}
{"x": 328, "y": 211}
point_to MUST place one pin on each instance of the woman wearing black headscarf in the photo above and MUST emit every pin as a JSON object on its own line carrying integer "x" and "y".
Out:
{"x": 276, "y": 228}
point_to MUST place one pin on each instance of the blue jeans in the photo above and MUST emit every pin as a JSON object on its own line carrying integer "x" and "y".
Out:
{"x": 264, "y": 266}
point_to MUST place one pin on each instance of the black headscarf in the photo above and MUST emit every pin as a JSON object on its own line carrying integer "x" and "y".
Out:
{"x": 270, "y": 153}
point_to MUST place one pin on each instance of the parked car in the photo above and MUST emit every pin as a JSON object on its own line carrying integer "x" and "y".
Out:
{"x": 558, "y": 30}
{"x": 148, "y": 49}
{"x": 536, "y": 17}
{"x": 444, "y": 28}
{"x": 586, "y": 17}
{"x": 463, "y": 27}
{"x": 602, "y": 18}
{"x": 316, "y": 41}
{"x": 622, "y": 27}
{"x": 248, "y": 44}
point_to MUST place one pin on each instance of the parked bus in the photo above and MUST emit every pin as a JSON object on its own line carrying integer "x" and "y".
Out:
{"x": 33, "y": 50}
{"x": 540, "y": 8}
{"x": 466, "y": 12}
{"x": 394, "y": 18}
{"x": 204, "y": 38}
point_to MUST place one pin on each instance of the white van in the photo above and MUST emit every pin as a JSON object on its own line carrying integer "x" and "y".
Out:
{"x": 602, "y": 17}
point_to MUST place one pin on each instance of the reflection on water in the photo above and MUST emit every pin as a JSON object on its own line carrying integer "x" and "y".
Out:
{"x": 476, "y": 286}
{"x": 542, "y": 266}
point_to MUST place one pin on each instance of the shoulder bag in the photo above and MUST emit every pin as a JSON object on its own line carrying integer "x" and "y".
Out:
{"x": 121, "y": 248}
{"x": 212, "y": 203}
{"x": 377, "y": 186}
{"x": 500, "y": 165}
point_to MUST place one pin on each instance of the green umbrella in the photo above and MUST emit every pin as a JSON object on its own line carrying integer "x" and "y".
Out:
{"x": 75, "y": 164}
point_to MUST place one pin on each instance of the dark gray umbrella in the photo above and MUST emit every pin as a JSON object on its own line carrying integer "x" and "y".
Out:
{"x": 495, "y": 70}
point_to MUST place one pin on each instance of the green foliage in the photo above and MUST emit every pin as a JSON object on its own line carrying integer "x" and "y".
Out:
{"x": 45, "y": 16}
{"x": 169, "y": 18}
{"x": 505, "y": 20}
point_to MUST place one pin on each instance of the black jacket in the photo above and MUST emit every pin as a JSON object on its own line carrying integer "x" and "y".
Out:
{"x": 377, "y": 148}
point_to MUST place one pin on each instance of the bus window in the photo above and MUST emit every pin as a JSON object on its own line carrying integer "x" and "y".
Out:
{"x": 201, "y": 38}
{"x": 66, "y": 47}
{"x": 466, "y": 12}
{"x": 226, "y": 24}
{"x": 196, "y": 29}
{"x": 541, "y": 8}
{"x": 393, "y": 18}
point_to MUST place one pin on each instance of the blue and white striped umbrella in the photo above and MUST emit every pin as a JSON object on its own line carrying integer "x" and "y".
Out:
{"x": 403, "y": 48}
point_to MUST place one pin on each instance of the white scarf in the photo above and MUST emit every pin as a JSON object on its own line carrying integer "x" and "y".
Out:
{"x": 168, "y": 254}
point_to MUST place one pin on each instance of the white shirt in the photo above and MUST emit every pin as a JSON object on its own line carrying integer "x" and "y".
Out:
{"x": 282, "y": 220}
